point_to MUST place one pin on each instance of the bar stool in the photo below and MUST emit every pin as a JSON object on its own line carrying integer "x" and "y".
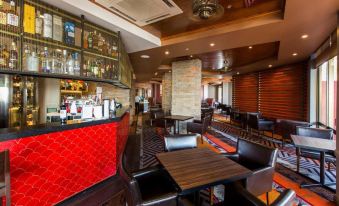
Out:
{"x": 5, "y": 188}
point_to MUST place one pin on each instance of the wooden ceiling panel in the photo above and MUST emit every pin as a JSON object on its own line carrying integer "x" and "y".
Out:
{"x": 186, "y": 22}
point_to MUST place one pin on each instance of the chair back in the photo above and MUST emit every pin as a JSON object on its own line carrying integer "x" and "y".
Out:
{"x": 255, "y": 154}
{"x": 159, "y": 114}
{"x": 315, "y": 132}
{"x": 253, "y": 120}
{"x": 286, "y": 127}
{"x": 205, "y": 123}
{"x": 180, "y": 142}
{"x": 131, "y": 183}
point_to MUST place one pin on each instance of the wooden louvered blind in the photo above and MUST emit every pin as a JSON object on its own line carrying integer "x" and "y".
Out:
{"x": 277, "y": 93}
{"x": 283, "y": 92}
{"x": 245, "y": 92}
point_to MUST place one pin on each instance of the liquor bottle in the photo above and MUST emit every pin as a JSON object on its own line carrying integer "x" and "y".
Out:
{"x": 76, "y": 64}
{"x": 13, "y": 57}
{"x": 95, "y": 69}
{"x": 64, "y": 62}
{"x": 70, "y": 64}
{"x": 104, "y": 48}
{"x": 114, "y": 50}
{"x": 3, "y": 15}
{"x": 90, "y": 40}
{"x": 102, "y": 71}
{"x": 45, "y": 61}
{"x": 100, "y": 42}
{"x": 54, "y": 63}
{"x": 38, "y": 23}
{"x": 57, "y": 28}
{"x": 47, "y": 26}
{"x": 27, "y": 54}
{"x": 69, "y": 33}
{"x": 3, "y": 59}
{"x": 86, "y": 41}
{"x": 87, "y": 68}
{"x": 29, "y": 19}
{"x": 12, "y": 17}
{"x": 6, "y": 54}
{"x": 63, "y": 112}
{"x": 33, "y": 62}
{"x": 95, "y": 40}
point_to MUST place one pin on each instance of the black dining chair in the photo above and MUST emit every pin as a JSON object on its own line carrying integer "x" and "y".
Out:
{"x": 199, "y": 128}
{"x": 261, "y": 160}
{"x": 317, "y": 133}
{"x": 242, "y": 197}
{"x": 256, "y": 122}
{"x": 180, "y": 142}
{"x": 149, "y": 186}
{"x": 285, "y": 128}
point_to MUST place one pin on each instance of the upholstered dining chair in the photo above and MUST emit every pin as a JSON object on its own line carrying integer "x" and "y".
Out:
{"x": 286, "y": 127}
{"x": 5, "y": 185}
{"x": 261, "y": 160}
{"x": 241, "y": 196}
{"x": 199, "y": 128}
{"x": 157, "y": 120}
{"x": 317, "y": 133}
{"x": 254, "y": 121}
{"x": 180, "y": 142}
{"x": 149, "y": 186}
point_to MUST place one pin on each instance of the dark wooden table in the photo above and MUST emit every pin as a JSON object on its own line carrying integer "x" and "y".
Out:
{"x": 316, "y": 144}
{"x": 177, "y": 119}
{"x": 196, "y": 169}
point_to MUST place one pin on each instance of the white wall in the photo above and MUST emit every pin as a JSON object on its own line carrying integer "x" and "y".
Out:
{"x": 227, "y": 93}
{"x": 49, "y": 96}
{"x": 211, "y": 92}
{"x": 313, "y": 95}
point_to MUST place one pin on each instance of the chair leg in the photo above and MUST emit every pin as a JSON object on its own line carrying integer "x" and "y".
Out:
{"x": 298, "y": 158}
{"x": 211, "y": 196}
{"x": 267, "y": 199}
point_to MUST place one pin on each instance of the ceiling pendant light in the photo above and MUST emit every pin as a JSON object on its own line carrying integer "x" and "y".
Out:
{"x": 205, "y": 9}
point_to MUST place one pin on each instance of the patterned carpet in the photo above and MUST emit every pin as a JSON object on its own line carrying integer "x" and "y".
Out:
{"x": 286, "y": 155}
{"x": 152, "y": 144}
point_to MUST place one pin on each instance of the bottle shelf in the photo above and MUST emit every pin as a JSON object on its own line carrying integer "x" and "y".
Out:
{"x": 53, "y": 43}
{"x": 92, "y": 52}
{"x": 28, "y": 39}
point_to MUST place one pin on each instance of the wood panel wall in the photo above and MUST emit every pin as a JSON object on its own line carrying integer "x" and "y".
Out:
{"x": 245, "y": 92}
{"x": 279, "y": 93}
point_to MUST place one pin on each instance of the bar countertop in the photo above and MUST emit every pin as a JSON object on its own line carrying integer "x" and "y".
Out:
{"x": 21, "y": 132}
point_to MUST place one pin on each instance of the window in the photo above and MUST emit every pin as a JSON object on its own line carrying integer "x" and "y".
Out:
{"x": 327, "y": 93}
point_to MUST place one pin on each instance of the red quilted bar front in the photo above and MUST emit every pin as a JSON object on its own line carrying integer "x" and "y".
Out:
{"x": 48, "y": 168}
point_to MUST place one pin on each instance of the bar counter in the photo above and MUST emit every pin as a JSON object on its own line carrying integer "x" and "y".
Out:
{"x": 21, "y": 132}
{"x": 50, "y": 163}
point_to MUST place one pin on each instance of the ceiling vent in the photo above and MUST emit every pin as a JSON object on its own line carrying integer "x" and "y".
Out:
{"x": 142, "y": 12}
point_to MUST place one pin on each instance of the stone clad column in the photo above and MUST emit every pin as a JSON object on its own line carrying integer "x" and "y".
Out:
{"x": 167, "y": 92}
{"x": 186, "y": 89}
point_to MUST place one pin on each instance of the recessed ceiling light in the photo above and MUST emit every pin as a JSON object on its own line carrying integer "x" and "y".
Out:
{"x": 250, "y": 47}
{"x": 144, "y": 56}
{"x": 212, "y": 44}
{"x": 295, "y": 54}
{"x": 167, "y": 52}
{"x": 156, "y": 73}
{"x": 270, "y": 65}
{"x": 170, "y": 71}
{"x": 191, "y": 56}
{"x": 187, "y": 49}
{"x": 304, "y": 36}
{"x": 229, "y": 6}
{"x": 238, "y": 73}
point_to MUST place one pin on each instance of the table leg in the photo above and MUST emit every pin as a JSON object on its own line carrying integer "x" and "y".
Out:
{"x": 178, "y": 127}
{"x": 322, "y": 168}
{"x": 298, "y": 158}
{"x": 197, "y": 198}
{"x": 227, "y": 195}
